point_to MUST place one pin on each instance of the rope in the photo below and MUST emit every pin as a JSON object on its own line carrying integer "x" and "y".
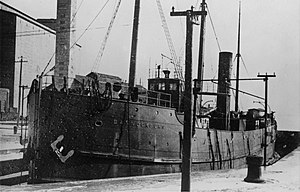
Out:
{"x": 245, "y": 65}
{"x": 81, "y": 34}
{"x": 90, "y": 23}
{"x": 212, "y": 24}
{"x": 103, "y": 44}
{"x": 77, "y": 11}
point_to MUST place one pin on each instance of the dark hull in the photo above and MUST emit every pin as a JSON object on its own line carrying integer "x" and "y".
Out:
{"x": 105, "y": 145}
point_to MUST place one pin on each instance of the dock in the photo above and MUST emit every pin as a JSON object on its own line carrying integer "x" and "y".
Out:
{"x": 13, "y": 168}
{"x": 284, "y": 175}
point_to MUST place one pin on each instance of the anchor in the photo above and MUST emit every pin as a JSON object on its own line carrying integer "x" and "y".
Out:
{"x": 58, "y": 151}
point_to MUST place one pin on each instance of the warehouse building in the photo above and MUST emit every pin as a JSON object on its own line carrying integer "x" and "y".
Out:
{"x": 22, "y": 36}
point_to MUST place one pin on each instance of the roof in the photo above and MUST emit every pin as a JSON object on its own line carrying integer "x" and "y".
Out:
{"x": 100, "y": 76}
{"x": 10, "y": 9}
{"x": 104, "y": 77}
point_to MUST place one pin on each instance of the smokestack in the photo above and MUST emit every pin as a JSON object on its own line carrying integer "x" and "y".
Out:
{"x": 167, "y": 73}
{"x": 223, "y": 99}
{"x": 65, "y": 38}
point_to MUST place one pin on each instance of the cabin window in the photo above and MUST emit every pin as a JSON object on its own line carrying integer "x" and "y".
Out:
{"x": 257, "y": 124}
{"x": 173, "y": 86}
{"x": 152, "y": 86}
{"x": 161, "y": 86}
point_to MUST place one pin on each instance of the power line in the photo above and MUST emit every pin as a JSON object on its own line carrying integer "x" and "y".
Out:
{"x": 39, "y": 32}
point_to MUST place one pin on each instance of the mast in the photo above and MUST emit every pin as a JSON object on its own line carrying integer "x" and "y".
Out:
{"x": 201, "y": 50}
{"x": 132, "y": 67}
{"x": 199, "y": 84}
{"x": 238, "y": 55}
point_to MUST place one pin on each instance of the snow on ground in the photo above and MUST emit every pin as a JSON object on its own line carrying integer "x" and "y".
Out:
{"x": 284, "y": 176}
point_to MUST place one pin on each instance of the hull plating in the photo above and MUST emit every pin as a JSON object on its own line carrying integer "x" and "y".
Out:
{"x": 114, "y": 138}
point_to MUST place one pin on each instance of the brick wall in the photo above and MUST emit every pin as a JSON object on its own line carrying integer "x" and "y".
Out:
{"x": 65, "y": 38}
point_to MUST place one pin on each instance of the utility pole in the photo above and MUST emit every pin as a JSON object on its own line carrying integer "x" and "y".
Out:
{"x": 23, "y": 87}
{"x": 187, "y": 129}
{"x": 20, "y": 83}
{"x": 266, "y": 77}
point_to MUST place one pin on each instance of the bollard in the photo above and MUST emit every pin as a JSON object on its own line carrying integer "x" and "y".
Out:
{"x": 15, "y": 129}
{"x": 254, "y": 170}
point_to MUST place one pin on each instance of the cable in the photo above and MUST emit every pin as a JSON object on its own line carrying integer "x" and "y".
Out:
{"x": 103, "y": 44}
{"x": 34, "y": 33}
{"x": 245, "y": 66}
{"x": 90, "y": 24}
{"x": 80, "y": 35}
{"x": 244, "y": 92}
{"x": 77, "y": 11}
{"x": 212, "y": 24}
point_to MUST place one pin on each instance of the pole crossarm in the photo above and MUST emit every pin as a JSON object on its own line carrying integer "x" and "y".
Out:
{"x": 244, "y": 79}
{"x": 185, "y": 13}
{"x": 266, "y": 75}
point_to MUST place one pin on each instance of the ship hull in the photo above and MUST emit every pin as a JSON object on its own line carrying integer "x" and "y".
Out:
{"x": 75, "y": 137}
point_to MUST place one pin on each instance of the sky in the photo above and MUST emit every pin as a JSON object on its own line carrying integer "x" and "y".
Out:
{"x": 270, "y": 43}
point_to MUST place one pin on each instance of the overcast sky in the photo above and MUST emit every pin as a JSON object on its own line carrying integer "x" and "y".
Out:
{"x": 269, "y": 42}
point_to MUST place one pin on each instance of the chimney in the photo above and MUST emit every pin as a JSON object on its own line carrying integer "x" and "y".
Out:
{"x": 167, "y": 73}
{"x": 65, "y": 38}
{"x": 223, "y": 99}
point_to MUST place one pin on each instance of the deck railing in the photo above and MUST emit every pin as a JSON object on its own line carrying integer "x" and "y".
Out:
{"x": 87, "y": 86}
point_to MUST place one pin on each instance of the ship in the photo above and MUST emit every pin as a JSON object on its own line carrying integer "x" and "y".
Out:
{"x": 102, "y": 127}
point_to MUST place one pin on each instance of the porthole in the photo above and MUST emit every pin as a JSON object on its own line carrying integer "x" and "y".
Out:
{"x": 98, "y": 123}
